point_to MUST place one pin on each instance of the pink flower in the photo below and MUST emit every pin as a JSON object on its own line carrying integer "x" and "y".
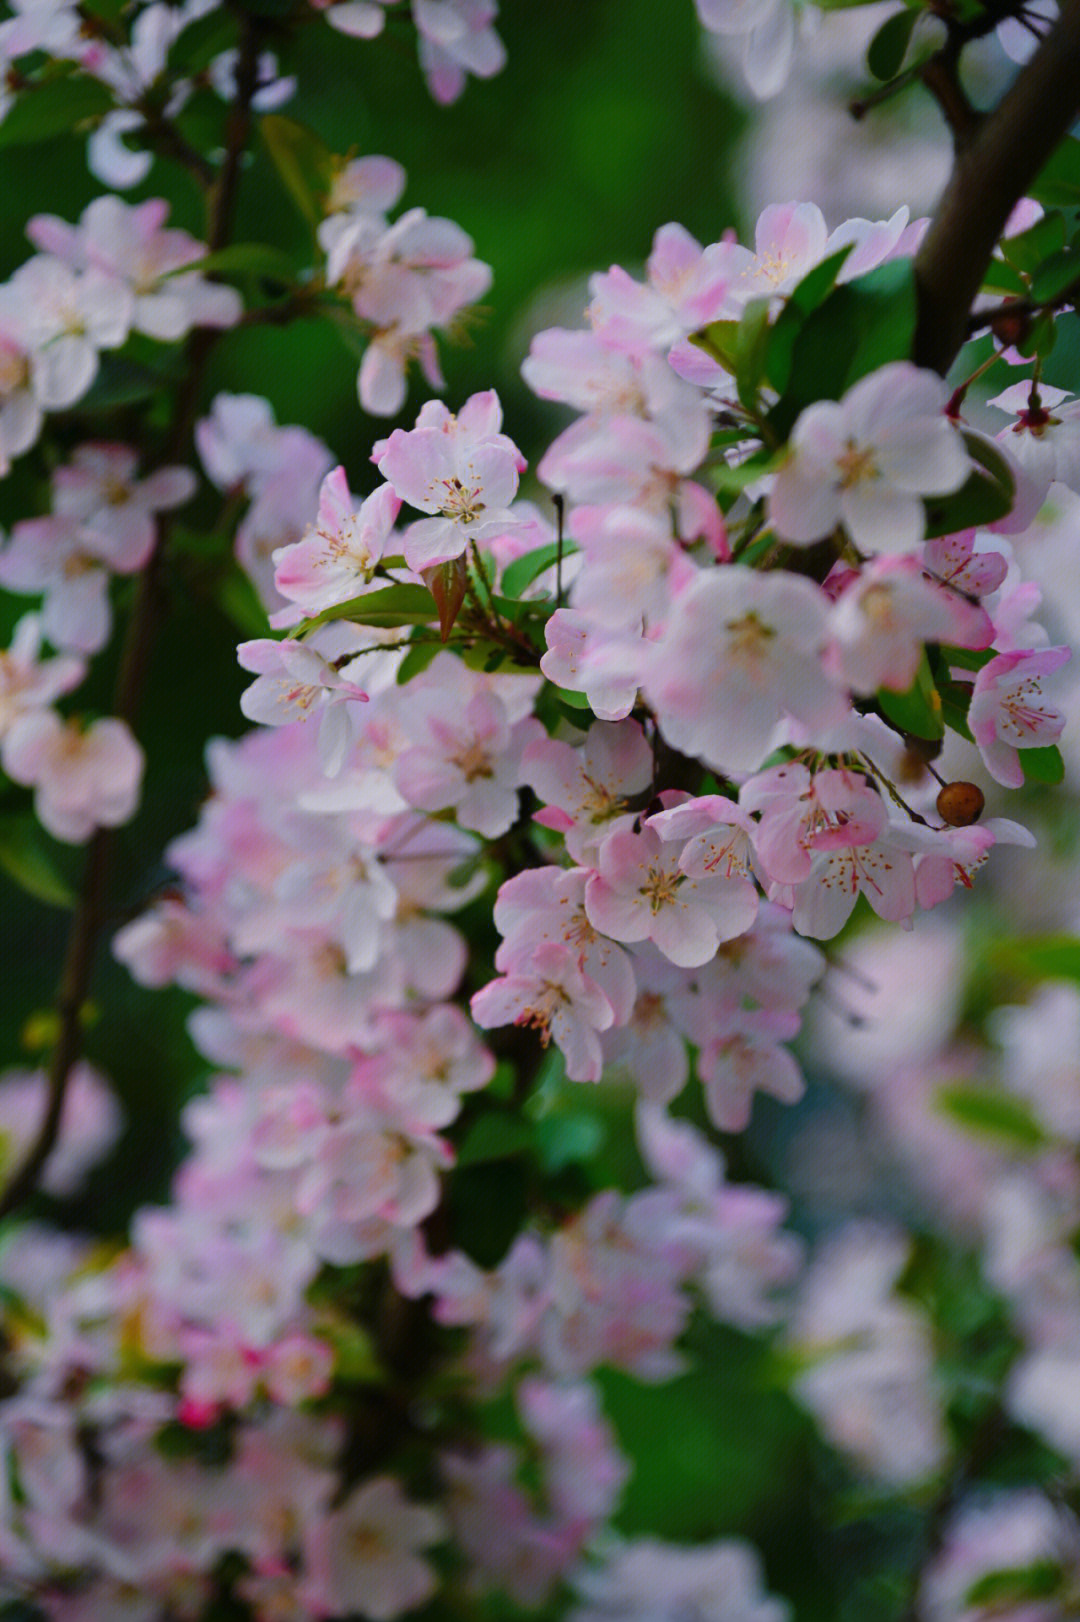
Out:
{"x": 293, "y": 682}
{"x": 642, "y": 892}
{"x": 463, "y": 471}
{"x": 1008, "y": 713}
{"x": 867, "y": 461}
{"x": 82, "y": 778}
{"x": 741, "y": 651}
{"x": 366, "y": 1555}
{"x": 546, "y": 989}
{"x": 884, "y": 617}
{"x": 337, "y": 558}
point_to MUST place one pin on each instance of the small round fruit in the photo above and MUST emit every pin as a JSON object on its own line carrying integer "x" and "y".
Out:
{"x": 960, "y": 804}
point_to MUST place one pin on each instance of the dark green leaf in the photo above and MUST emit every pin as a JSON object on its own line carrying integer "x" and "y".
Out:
{"x": 751, "y": 347}
{"x": 886, "y": 52}
{"x": 1027, "y": 250}
{"x": 56, "y": 108}
{"x": 24, "y": 858}
{"x": 1055, "y": 276}
{"x": 1002, "y": 278}
{"x": 992, "y": 1114}
{"x": 1002, "y": 1591}
{"x": 524, "y": 570}
{"x": 237, "y": 597}
{"x": 1058, "y": 183}
{"x": 1039, "y": 338}
{"x": 814, "y": 288}
{"x": 196, "y": 46}
{"x": 245, "y": 258}
{"x": 859, "y": 328}
{"x": 389, "y": 606}
{"x": 733, "y": 479}
{"x": 986, "y": 495}
{"x": 416, "y": 661}
{"x": 495, "y": 1136}
{"x": 123, "y": 382}
{"x": 966, "y": 658}
{"x": 302, "y": 159}
{"x": 563, "y": 1140}
{"x": 917, "y": 710}
{"x": 1042, "y": 765}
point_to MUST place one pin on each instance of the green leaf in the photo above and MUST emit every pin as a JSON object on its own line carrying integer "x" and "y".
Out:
{"x": 302, "y": 159}
{"x": 24, "y": 859}
{"x": 806, "y": 296}
{"x": 524, "y": 570}
{"x": 718, "y": 340}
{"x": 991, "y": 1114}
{"x": 1002, "y": 278}
{"x": 986, "y": 495}
{"x": 886, "y": 51}
{"x": 237, "y": 597}
{"x": 245, "y": 258}
{"x": 1002, "y": 1591}
{"x": 1040, "y": 337}
{"x": 751, "y": 347}
{"x": 566, "y": 1140}
{"x": 731, "y": 480}
{"x": 1042, "y": 765}
{"x": 493, "y": 659}
{"x": 918, "y": 710}
{"x": 1055, "y": 276}
{"x": 1027, "y": 250}
{"x": 123, "y": 382}
{"x": 1058, "y": 183}
{"x": 1038, "y": 957}
{"x": 196, "y": 46}
{"x": 966, "y": 658}
{"x": 859, "y": 328}
{"x": 416, "y": 661}
{"x": 56, "y": 108}
{"x": 388, "y": 607}
{"x": 494, "y": 1136}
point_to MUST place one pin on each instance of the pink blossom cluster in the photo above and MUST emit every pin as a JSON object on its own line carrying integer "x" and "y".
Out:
{"x": 278, "y": 470}
{"x": 91, "y": 287}
{"x": 610, "y": 1287}
{"x": 402, "y": 279}
{"x": 129, "y": 68}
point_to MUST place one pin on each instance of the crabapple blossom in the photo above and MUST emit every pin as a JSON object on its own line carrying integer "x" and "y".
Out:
{"x": 463, "y": 470}
{"x": 336, "y": 559}
{"x": 740, "y": 651}
{"x": 1045, "y": 438}
{"x": 586, "y": 791}
{"x": 1008, "y": 713}
{"x": 130, "y": 244}
{"x": 644, "y": 1580}
{"x": 867, "y": 460}
{"x": 83, "y": 777}
{"x": 882, "y": 619}
{"x": 368, "y": 1553}
{"x": 548, "y": 904}
{"x": 28, "y": 682}
{"x": 456, "y": 39}
{"x": 292, "y": 681}
{"x": 546, "y": 989}
{"x": 642, "y": 891}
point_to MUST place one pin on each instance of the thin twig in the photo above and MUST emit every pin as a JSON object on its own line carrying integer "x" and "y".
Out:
{"x": 90, "y": 912}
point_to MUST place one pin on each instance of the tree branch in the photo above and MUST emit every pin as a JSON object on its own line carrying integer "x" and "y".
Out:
{"x": 90, "y": 913}
{"x": 993, "y": 170}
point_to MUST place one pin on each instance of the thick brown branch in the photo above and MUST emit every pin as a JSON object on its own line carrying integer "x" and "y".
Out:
{"x": 993, "y": 170}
